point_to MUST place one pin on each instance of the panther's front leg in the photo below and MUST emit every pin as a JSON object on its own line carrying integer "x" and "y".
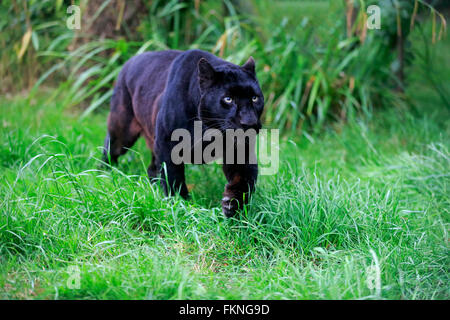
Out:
{"x": 241, "y": 183}
{"x": 172, "y": 175}
{"x": 173, "y": 180}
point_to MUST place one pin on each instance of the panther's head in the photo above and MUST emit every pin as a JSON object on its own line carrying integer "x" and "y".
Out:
{"x": 231, "y": 97}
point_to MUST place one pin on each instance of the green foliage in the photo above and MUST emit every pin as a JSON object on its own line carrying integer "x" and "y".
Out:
{"x": 310, "y": 72}
{"x": 26, "y": 28}
{"x": 370, "y": 188}
{"x": 373, "y": 186}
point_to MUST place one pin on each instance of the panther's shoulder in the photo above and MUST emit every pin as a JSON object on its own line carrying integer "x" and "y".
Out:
{"x": 192, "y": 57}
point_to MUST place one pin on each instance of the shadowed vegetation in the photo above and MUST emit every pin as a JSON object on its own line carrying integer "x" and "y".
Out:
{"x": 362, "y": 186}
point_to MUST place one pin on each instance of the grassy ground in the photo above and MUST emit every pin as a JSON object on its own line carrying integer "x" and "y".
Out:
{"x": 362, "y": 203}
{"x": 366, "y": 197}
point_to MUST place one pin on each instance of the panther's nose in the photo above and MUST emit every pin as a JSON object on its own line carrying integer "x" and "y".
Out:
{"x": 251, "y": 125}
{"x": 249, "y": 120}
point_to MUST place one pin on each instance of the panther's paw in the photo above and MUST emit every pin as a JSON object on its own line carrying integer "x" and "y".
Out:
{"x": 229, "y": 206}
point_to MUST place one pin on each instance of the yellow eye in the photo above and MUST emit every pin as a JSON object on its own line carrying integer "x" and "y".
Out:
{"x": 227, "y": 100}
{"x": 255, "y": 99}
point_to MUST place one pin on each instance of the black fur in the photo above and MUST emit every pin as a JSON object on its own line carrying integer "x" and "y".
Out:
{"x": 158, "y": 92}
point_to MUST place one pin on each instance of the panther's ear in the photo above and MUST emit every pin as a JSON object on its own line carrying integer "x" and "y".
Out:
{"x": 249, "y": 65}
{"x": 206, "y": 73}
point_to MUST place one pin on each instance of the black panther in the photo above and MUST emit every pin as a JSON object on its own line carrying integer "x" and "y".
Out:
{"x": 158, "y": 92}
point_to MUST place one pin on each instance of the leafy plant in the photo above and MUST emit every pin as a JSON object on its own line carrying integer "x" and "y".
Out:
{"x": 309, "y": 73}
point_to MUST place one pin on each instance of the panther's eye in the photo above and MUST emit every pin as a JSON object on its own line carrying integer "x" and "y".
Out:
{"x": 227, "y": 100}
{"x": 255, "y": 99}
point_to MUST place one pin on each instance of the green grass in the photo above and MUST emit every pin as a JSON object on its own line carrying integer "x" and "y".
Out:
{"x": 369, "y": 188}
{"x": 356, "y": 198}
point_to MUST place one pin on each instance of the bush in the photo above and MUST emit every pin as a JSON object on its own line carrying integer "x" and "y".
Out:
{"x": 308, "y": 73}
